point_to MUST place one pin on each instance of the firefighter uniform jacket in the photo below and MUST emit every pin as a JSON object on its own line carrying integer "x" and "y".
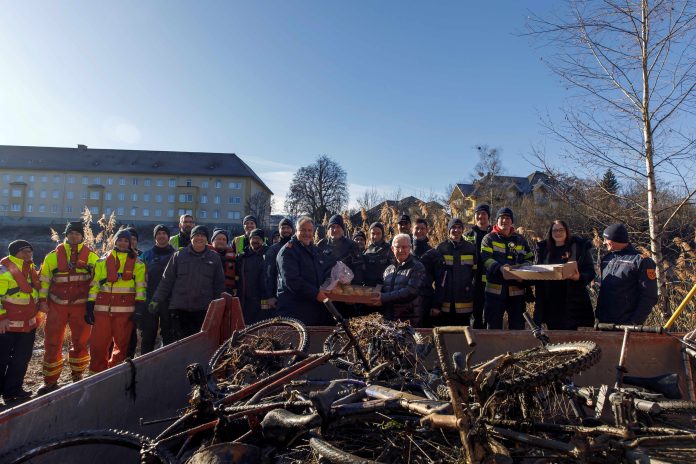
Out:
{"x": 456, "y": 289}
{"x": 119, "y": 281}
{"x": 375, "y": 260}
{"x": 629, "y": 287}
{"x": 63, "y": 282}
{"x": 498, "y": 250}
{"x": 19, "y": 294}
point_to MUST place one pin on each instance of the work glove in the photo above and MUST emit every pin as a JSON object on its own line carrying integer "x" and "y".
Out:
{"x": 153, "y": 308}
{"x": 140, "y": 309}
{"x": 89, "y": 313}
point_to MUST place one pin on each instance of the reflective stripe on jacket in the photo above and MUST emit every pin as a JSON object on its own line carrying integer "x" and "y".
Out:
{"x": 64, "y": 283}
{"x": 498, "y": 250}
{"x": 456, "y": 289}
{"x": 118, "y": 292}
{"x": 18, "y": 299}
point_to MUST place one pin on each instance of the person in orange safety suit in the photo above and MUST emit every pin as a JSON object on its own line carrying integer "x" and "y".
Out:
{"x": 65, "y": 276}
{"x": 116, "y": 299}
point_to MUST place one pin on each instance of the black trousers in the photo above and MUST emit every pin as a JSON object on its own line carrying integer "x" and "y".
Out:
{"x": 147, "y": 328}
{"x": 186, "y": 323}
{"x": 15, "y": 354}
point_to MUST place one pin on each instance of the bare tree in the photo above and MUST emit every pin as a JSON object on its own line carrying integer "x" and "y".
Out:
{"x": 631, "y": 67}
{"x": 259, "y": 204}
{"x": 318, "y": 190}
{"x": 369, "y": 199}
{"x": 486, "y": 170}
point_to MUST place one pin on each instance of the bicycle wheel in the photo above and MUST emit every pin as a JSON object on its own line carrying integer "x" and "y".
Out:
{"x": 107, "y": 438}
{"x": 396, "y": 346}
{"x": 542, "y": 366}
{"x": 248, "y": 356}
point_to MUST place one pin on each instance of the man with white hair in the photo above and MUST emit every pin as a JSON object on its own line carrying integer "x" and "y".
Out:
{"x": 401, "y": 294}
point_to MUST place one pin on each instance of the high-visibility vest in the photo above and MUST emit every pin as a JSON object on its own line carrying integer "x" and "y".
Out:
{"x": 119, "y": 281}
{"x": 64, "y": 283}
{"x": 18, "y": 296}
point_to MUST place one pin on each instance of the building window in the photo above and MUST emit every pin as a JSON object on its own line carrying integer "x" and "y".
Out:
{"x": 216, "y": 214}
{"x": 158, "y": 198}
{"x": 97, "y": 180}
{"x": 70, "y": 195}
{"x": 109, "y": 181}
{"x": 134, "y": 197}
{"x": 234, "y": 185}
{"x": 204, "y": 184}
{"x": 56, "y": 179}
{"x": 43, "y": 194}
{"x": 6, "y": 177}
{"x": 234, "y": 215}
{"x": 108, "y": 211}
{"x": 181, "y": 211}
{"x": 31, "y": 178}
{"x": 16, "y": 193}
{"x": 94, "y": 195}
{"x": 3, "y": 208}
{"x": 134, "y": 211}
{"x": 71, "y": 179}
{"x": 30, "y": 208}
{"x": 216, "y": 200}
{"x": 189, "y": 183}
{"x": 218, "y": 184}
{"x": 185, "y": 198}
{"x": 170, "y": 212}
{"x": 204, "y": 198}
{"x": 203, "y": 214}
{"x": 147, "y": 182}
{"x": 146, "y": 197}
{"x": 44, "y": 179}
{"x": 159, "y": 183}
{"x": 30, "y": 193}
{"x": 120, "y": 211}
{"x": 170, "y": 198}
{"x": 85, "y": 195}
{"x": 42, "y": 208}
{"x": 55, "y": 194}
{"x": 121, "y": 196}
{"x": 146, "y": 212}
{"x": 234, "y": 200}
{"x": 85, "y": 180}
{"x": 54, "y": 208}
{"x": 20, "y": 178}
{"x": 158, "y": 212}
{"x": 172, "y": 182}
{"x": 5, "y": 192}
{"x": 121, "y": 181}
{"x": 68, "y": 208}
{"x": 135, "y": 181}
{"x": 107, "y": 196}
{"x": 16, "y": 207}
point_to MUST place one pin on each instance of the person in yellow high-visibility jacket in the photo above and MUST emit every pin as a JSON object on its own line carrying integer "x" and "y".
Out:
{"x": 116, "y": 299}
{"x": 19, "y": 295}
{"x": 65, "y": 276}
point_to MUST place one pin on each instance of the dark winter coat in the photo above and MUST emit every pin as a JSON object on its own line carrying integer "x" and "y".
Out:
{"x": 156, "y": 259}
{"x": 375, "y": 260}
{"x": 401, "y": 291}
{"x": 565, "y": 304}
{"x": 629, "y": 287}
{"x": 498, "y": 250}
{"x": 251, "y": 287}
{"x": 191, "y": 280}
{"x": 475, "y": 236}
{"x": 344, "y": 250}
{"x": 456, "y": 290}
{"x": 434, "y": 265}
{"x": 271, "y": 267}
{"x": 300, "y": 274}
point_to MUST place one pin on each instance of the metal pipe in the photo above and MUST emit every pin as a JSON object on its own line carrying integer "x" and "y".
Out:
{"x": 681, "y": 307}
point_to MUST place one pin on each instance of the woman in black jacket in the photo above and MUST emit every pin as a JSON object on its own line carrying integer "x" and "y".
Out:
{"x": 565, "y": 304}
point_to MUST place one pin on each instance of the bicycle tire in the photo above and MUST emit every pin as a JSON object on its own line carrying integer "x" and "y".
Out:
{"x": 108, "y": 437}
{"x": 561, "y": 360}
{"x": 283, "y": 323}
{"x": 334, "y": 455}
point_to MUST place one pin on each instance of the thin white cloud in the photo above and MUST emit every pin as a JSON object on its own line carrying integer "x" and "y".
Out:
{"x": 122, "y": 131}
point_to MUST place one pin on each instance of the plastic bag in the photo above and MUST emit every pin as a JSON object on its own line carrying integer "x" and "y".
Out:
{"x": 340, "y": 274}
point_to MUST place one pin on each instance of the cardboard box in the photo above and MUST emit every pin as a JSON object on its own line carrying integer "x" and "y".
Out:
{"x": 353, "y": 293}
{"x": 541, "y": 271}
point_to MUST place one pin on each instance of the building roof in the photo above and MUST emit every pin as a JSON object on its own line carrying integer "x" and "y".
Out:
{"x": 524, "y": 184}
{"x": 125, "y": 161}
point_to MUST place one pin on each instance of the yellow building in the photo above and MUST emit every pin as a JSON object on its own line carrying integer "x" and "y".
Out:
{"x": 47, "y": 184}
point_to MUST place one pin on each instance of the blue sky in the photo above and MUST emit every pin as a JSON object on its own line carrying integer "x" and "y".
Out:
{"x": 399, "y": 93}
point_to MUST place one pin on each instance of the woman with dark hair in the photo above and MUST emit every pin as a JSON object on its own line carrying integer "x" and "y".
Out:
{"x": 565, "y": 304}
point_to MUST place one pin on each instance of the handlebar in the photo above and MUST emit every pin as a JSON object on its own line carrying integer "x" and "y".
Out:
{"x": 631, "y": 328}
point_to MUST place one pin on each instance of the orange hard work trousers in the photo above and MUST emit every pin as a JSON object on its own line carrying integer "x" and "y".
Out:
{"x": 78, "y": 357}
{"x": 108, "y": 327}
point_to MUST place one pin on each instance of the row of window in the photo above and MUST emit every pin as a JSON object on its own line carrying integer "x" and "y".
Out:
{"x": 121, "y": 211}
{"x": 147, "y": 182}
{"x": 108, "y": 196}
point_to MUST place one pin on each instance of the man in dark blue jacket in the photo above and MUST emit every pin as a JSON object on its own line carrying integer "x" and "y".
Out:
{"x": 300, "y": 277}
{"x": 629, "y": 287}
{"x": 286, "y": 230}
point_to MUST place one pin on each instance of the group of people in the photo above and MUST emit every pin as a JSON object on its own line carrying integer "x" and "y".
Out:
{"x": 167, "y": 289}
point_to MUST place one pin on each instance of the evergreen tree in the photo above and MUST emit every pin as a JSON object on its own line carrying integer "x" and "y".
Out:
{"x": 609, "y": 183}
